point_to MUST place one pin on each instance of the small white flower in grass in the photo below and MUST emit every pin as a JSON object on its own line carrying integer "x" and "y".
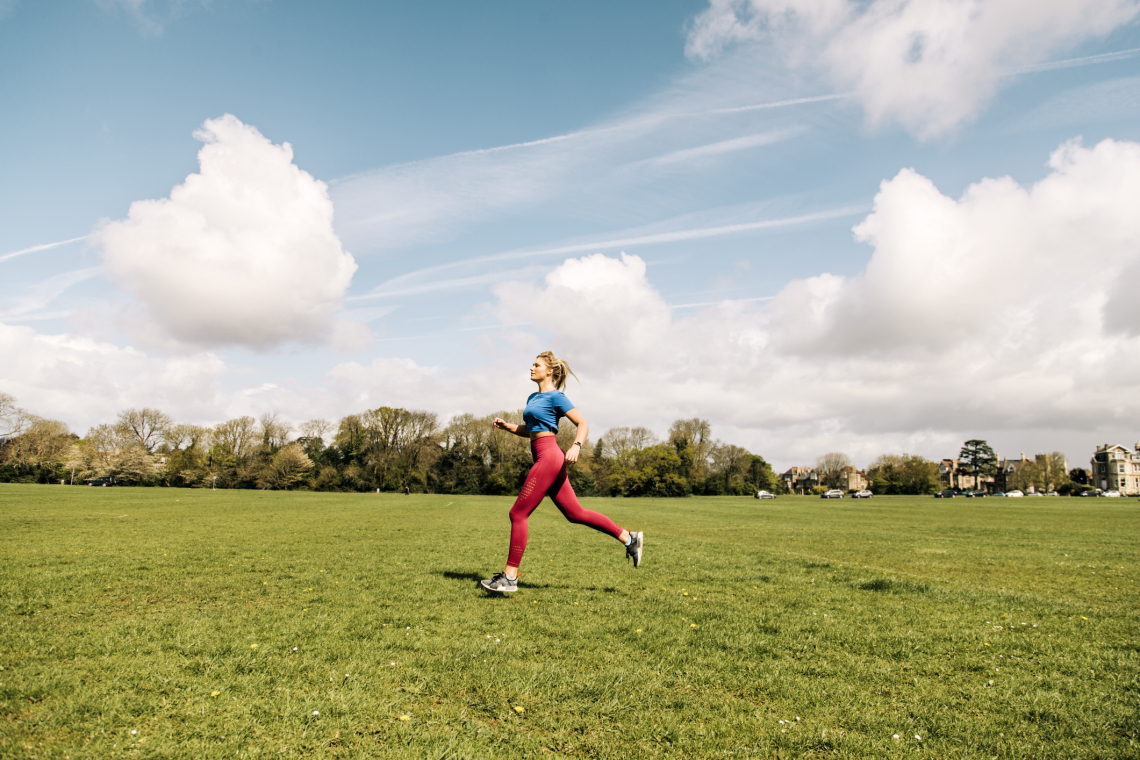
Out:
{"x": 916, "y": 736}
{"x": 133, "y": 732}
{"x": 392, "y": 664}
{"x": 316, "y": 713}
{"x": 294, "y": 649}
{"x": 895, "y": 736}
{"x": 797, "y": 719}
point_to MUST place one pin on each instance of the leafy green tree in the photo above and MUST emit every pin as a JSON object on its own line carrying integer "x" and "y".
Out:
{"x": 186, "y": 448}
{"x": 978, "y": 460}
{"x": 693, "y": 441}
{"x": 730, "y": 467}
{"x": 903, "y": 474}
{"x": 656, "y": 471}
{"x": 36, "y": 455}
{"x": 230, "y": 461}
{"x": 830, "y": 468}
{"x": 1053, "y": 468}
{"x": 287, "y": 469}
{"x": 761, "y": 475}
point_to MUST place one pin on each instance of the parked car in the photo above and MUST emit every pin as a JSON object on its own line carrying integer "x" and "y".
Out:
{"x": 1111, "y": 494}
{"x": 864, "y": 494}
{"x": 975, "y": 494}
{"x": 1014, "y": 495}
{"x": 999, "y": 494}
{"x": 106, "y": 481}
{"x": 1034, "y": 493}
{"x": 946, "y": 493}
{"x": 765, "y": 495}
{"x": 1052, "y": 493}
{"x": 834, "y": 493}
{"x": 1091, "y": 492}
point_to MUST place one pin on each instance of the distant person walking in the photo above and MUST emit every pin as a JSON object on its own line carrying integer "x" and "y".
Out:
{"x": 549, "y": 474}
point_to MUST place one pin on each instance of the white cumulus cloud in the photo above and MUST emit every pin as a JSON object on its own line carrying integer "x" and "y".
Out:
{"x": 927, "y": 64}
{"x": 84, "y": 382}
{"x": 241, "y": 253}
{"x": 1007, "y": 310}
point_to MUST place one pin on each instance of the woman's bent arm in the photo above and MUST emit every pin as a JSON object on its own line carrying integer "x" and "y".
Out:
{"x": 580, "y": 439}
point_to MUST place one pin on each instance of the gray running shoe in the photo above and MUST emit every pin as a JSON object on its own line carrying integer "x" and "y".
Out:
{"x": 633, "y": 551}
{"x": 501, "y": 583}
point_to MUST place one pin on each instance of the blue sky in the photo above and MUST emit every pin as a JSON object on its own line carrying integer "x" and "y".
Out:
{"x": 862, "y": 227}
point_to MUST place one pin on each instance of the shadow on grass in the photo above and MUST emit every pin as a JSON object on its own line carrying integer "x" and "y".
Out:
{"x": 476, "y": 577}
{"x": 895, "y": 587}
{"x": 453, "y": 576}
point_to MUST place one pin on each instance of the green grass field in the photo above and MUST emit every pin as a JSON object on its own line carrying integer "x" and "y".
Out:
{"x": 188, "y": 623}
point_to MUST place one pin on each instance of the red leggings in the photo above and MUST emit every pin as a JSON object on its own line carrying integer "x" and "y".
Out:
{"x": 547, "y": 477}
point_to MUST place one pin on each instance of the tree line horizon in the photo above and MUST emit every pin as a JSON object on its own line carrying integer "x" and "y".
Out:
{"x": 397, "y": 449}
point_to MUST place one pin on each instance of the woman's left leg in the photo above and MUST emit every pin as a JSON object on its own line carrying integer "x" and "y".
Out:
{"x": 563, "y": 496}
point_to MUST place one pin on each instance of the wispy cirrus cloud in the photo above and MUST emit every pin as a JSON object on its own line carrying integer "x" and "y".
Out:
{"x": 152, "y": 16}
{"x": 38, "y": 248}
{"x": 1069, "y": 63}
{"x": 428, "y": 201}
{"x": 723, "y": 147}
{"x": 929, "y": 65}
{"x": 428, "y": 279}
{"x": 25, "y": 306}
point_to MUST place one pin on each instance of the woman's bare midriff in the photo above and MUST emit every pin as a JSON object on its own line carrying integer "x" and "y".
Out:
{"x": 543, "y": 434}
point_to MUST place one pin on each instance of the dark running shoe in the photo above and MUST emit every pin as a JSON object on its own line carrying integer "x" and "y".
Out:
{"x": 501, "y": 583}
{"x": 633, "y": 551}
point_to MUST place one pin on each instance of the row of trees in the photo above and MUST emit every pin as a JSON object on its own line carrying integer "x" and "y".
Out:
{"x": 387, "y": 448}
{"x": 911, "y": 474}
{"x": 889, "y": 474}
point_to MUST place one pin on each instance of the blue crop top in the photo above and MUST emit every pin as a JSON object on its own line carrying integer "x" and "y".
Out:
{"x": 544, "y": 410}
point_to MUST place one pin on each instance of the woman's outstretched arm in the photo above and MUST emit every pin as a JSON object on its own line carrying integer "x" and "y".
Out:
{"x": 510, "y": 427}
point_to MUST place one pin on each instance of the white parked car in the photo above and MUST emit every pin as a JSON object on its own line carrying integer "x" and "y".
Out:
{"x": 1014, "y": 494}
{"x": 834, "y": 493}
{"x": 1111, "y": 494}
{"x": 864, "y": 494}
{"x": 765, "y": 495}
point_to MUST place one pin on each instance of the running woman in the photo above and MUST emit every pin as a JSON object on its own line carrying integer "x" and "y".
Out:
{"x": 548, "y": 475}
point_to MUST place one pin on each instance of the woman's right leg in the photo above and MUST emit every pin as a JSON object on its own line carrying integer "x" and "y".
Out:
{"x": 542, "y": 474}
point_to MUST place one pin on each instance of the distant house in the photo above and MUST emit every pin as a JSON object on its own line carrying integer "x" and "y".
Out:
{"x": 1009, "y": 468}
{"x": 852, "y": 479}
{"x": 800, "y": 479}
{"x": 951, "y": 474}
{"x": 1115, "y": 468}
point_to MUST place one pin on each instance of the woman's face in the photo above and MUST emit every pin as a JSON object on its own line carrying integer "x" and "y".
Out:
{"x": 539, "y": 370}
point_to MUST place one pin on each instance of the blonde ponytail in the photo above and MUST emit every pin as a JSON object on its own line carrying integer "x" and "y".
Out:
{"x": 560, "y": 368}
